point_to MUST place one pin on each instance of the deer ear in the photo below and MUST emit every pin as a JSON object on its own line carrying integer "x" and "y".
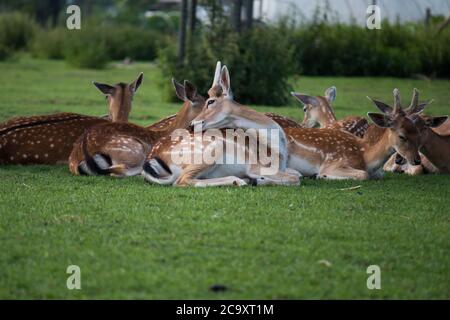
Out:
{"x": 434, "y": 122}
{"x": 136, "y": 83}
{"x": 225, "y": 82}
{"x": 104, "y": 88}
{"x": 381, "y": 120}
{"x": 190, "y": 90}
{"x": 304, "y": 99}
{"x": 383, "y": 107}
{"x": 330, "y": 94}
{"x": 179, "y": 90}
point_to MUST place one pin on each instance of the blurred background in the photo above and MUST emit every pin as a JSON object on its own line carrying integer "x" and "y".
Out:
{"x": 264, "y": 42}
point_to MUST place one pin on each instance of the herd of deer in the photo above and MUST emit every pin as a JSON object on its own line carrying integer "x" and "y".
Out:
{"x": 399, "y": 140}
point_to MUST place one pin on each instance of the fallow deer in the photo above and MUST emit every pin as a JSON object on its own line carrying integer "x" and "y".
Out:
{"x": 433, "y": 128}
{"x": 318, "y": 111}
{"x": 49, "y": 139}
{"x": 434, "y": 153}
{"x": 435, "y": 147}
{"x": 120, "y": 149}
{"x": 162, "y": 168}
{"x": 326, "y": 153}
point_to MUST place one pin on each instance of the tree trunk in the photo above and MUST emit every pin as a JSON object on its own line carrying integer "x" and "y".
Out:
{"x": 249, "y": 13}
{"x": 237, "y": 15}
{"x": 182, "y": 32}
{"x": 193, "y": 17}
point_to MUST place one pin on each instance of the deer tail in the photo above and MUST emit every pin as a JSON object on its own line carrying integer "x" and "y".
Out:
{"x": 158, "y": 172}
{"x": 97, "y": 164}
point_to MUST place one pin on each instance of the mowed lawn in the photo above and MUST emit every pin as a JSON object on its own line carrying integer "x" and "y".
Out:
{"x": 135, "y": 240}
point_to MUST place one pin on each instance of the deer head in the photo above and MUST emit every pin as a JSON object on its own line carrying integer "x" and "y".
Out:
{"x": 119, "y": 98}
{"x": 192, "y": 106}
{"x": 318, "y": 109}
{"x": 422, "y": 122}
{"x": 403, "y": 136}
{"x": 221, "y": 111}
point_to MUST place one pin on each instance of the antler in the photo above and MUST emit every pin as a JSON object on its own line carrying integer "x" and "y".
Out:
{"x": 415, "y": 106}
{"x": 415, "y": 99}
{"x": 397, "y": 105}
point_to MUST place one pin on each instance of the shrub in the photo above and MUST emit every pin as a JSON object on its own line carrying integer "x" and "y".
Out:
{"x": 99, "y": 43}
{"x": 132, "y": 42}
{"x": 16, "y": 32}
{"x": 350, "y": 50}
{"x": 86, "y": 49}
{"x": 259, "y": 69}
{"x": 167, "y": 24}
{"x": 49, "y": 44}
{"x": 4, "y": 52}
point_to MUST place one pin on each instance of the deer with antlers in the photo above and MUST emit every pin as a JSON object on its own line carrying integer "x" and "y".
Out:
{"x": 435, "y": 136}
{"x": 326, "y": 153}
{"x": 120, "y": 149}
{"x": 318, "y": 111}
{"x": 49, "y": 139}
{"x": 434, "y": 147}
{"x": 163, "y": 165}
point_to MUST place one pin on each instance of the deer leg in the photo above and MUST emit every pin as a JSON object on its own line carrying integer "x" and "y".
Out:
{"x": 413, "y": 170}
{"x": 75, "y": 158}
{"x": 216, "y": 182}
{"x": 189, "y": 174}
{"x": 427, "y": 165}
{"x": 341, "y": 173}
{"x": 391, "y": 166}
{"x": 288, "y": 178}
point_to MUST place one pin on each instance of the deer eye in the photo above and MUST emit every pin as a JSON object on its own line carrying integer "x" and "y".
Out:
{"x": 210, "y": 102}
{"x": 305, "y": 109}
{"x": 402, "y": 138}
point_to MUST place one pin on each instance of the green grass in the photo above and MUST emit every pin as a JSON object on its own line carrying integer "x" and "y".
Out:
{"x": 135, "y": 240}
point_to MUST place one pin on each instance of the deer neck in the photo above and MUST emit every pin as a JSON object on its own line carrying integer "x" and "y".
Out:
{"x": 377, "y": 147}
{"x": 120, "y": 116}
{"x": 327, "y": 115}
{"x": 181, "y": 120}
{"x": 251, "y": 119}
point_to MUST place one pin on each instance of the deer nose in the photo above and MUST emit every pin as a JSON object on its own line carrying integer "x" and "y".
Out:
{"x": 399, "y": 160}
{"x": 417, "y": 160}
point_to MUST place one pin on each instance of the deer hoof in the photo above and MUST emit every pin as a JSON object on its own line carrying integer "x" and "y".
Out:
{"x": 239, "y": 182}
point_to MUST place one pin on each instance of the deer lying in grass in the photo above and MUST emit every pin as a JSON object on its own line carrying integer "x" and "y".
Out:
{"x": 163, "y": 167}
{"x": 434, "y": 152}
{"x": 120, "y": 149}
{"x": 326, "y": 153}
{"x": 435, "y": 136}
{"x": 318, "y": 111}
{"x": 49, "y": 139}
{"x": 435, "y": 147}
{"x": 334, "y": 154}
